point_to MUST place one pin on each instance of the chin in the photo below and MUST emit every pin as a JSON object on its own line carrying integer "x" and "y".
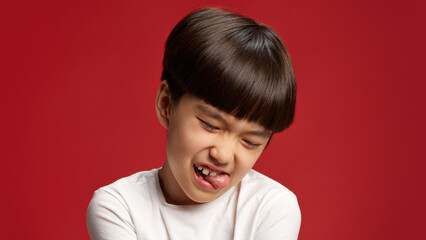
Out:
{"x": 204, "y": 198}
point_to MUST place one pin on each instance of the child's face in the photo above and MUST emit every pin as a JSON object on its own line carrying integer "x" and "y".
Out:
{"x": 208, "y": 151}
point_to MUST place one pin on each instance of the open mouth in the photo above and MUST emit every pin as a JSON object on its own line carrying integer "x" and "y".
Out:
{"x": 204, "y": 171}
{"x": 210, "y": 179}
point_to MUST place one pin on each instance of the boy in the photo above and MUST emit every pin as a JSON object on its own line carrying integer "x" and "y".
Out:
{"x": 227, "y": 87}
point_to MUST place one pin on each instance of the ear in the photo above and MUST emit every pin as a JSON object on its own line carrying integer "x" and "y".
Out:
{"x": 163, "y": 104}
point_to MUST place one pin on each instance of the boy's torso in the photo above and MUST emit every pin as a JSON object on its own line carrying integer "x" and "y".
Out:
{"x": 246, "y": 211}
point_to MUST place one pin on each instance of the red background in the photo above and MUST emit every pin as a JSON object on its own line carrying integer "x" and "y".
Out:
{"x": 78, "y": 81}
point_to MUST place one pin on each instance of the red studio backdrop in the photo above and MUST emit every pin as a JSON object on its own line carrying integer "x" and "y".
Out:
{"x": 77, "y": 89}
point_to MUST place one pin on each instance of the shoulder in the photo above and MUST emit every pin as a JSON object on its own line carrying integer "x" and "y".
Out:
{"x": 139, "y": 185}
{"x": 137, "y": 180}
{"x": 110, "y": 210}
{"x": 274, "y": 207}
{"x": 263, "y": 186}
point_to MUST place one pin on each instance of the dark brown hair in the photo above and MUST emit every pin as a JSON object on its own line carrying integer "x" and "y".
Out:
{"x": 235, "y": 64}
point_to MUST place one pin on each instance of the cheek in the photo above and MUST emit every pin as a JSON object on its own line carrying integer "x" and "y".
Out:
{"x": 245, "y": 161}
{"x": 186, "y": 140}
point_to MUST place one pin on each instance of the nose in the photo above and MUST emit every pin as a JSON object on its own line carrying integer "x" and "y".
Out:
{"x": 222, "y": 153}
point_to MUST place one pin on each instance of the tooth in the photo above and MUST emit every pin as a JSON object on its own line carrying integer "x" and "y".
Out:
{"x": 199, "y": 168}
{"x": 205, "y": 171}
{"x": 212, "y": 174}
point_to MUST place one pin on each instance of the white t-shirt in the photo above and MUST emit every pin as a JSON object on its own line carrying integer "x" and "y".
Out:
{"x": 134, "y": 208}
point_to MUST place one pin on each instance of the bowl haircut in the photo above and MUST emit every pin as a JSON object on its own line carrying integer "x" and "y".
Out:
{"x": 233, "y": 63}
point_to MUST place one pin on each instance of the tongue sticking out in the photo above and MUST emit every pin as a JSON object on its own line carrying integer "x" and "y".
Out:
{"x": 219, "y": 181}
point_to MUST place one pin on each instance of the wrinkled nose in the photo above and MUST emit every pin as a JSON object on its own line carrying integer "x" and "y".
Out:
{"x": 222, "y": 153}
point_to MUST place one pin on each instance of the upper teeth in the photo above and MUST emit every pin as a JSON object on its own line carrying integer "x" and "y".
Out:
{"x": 205, "y": 171}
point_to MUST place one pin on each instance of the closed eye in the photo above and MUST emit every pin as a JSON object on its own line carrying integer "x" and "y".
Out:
{"x": 207, "y": 125}
{"x": 252, "y": 144}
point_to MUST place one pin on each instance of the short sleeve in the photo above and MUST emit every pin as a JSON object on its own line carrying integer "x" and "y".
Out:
{"x": 108, "y": 218}
{"x": 280, "y": 217}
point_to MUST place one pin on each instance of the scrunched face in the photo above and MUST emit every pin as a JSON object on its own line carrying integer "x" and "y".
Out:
{"x": 208, "y": 150}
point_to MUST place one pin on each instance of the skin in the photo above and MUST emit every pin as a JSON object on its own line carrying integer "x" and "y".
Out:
{"x": 198, "y": 133}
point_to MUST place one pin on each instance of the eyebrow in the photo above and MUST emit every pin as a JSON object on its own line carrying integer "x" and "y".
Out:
{"x": 210, "y": 113}
{"x": 265, "y": 134}
{"x": 219, "y": 117}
